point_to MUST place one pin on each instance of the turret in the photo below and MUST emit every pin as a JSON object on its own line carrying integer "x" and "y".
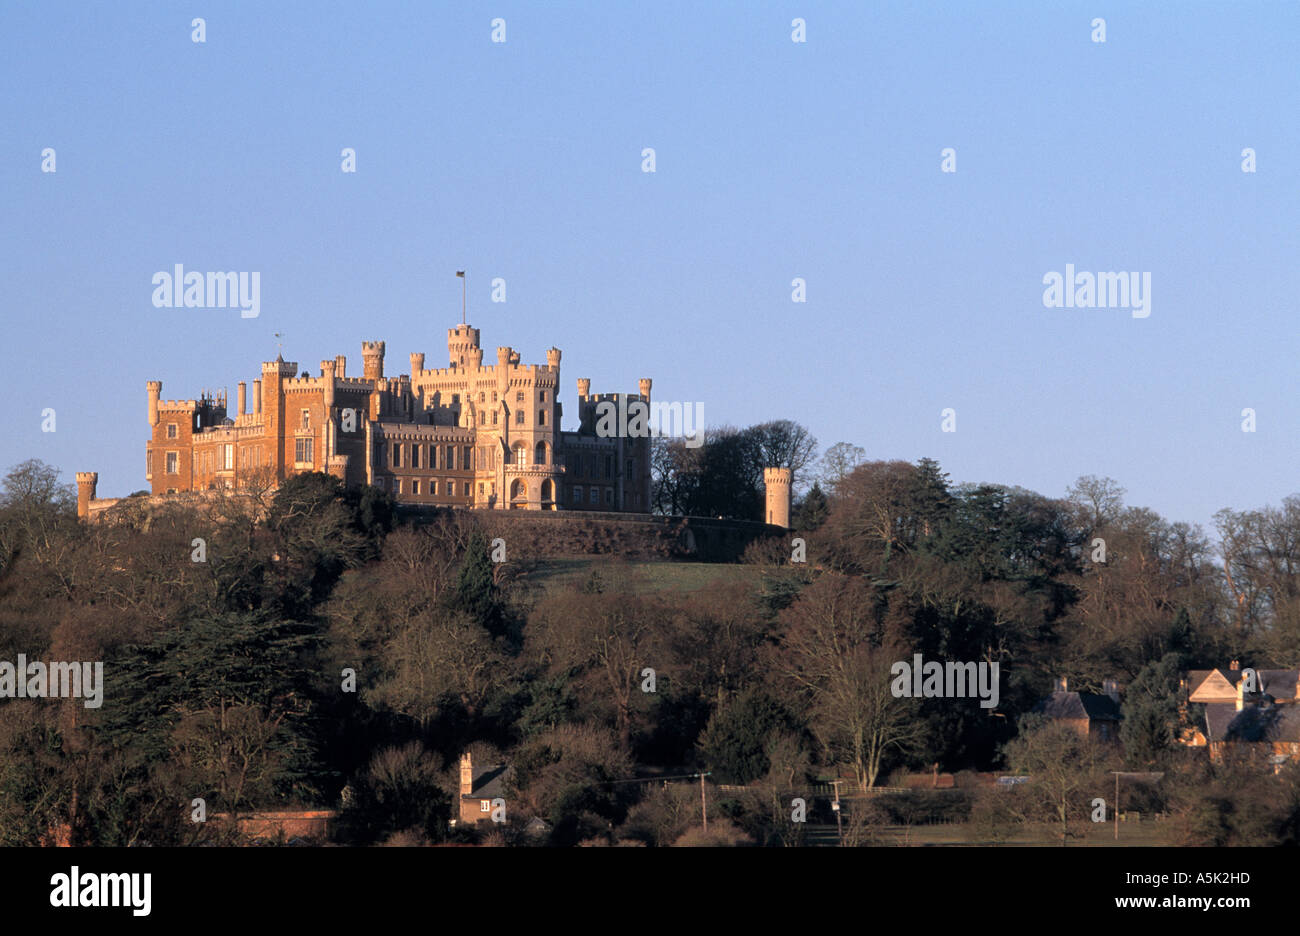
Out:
{"x": 584, "y": 387}
{"x": 87, "y": 482}
{"x": 241, "y": 399}
{"x": 373, "y": 354}
{"x": 644, "y": 385}
{"x": 417, "y": 364}
{"x": 327, "y": 372}
{"x": 552, "y": 357}
{"x": 155, "y": 389}
{"x": 777, "y": 482}
{"x": 462, "y": 341}
{"x": 340, "y": 366}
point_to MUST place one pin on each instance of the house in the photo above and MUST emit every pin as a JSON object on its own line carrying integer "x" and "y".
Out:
{"x": 1275, "y": 727}
{"x": 1220, "y": 686}
{"x": 482, "y": 791}
{"x": 1091, "y": 714}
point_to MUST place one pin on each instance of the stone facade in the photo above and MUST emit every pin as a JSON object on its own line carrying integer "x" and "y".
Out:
{"x": 467, "y": 435}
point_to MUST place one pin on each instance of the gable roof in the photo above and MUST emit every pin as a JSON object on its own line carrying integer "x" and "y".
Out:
{"x": 489, "y": 784}
{"x": 1263, "y": 723}
{"x": 1211, "y": 685}
{"x": 1075, "y": 705}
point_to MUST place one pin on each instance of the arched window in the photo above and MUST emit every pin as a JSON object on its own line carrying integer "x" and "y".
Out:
{"x": 540, "y": 455}
{"x": 517, "y": 490}
{"x": 520, "y": 456}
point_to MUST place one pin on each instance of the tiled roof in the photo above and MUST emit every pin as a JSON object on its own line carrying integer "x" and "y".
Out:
{"x": 489, "y": 784}
{"x": 1075, "y": 705}
{"x": 1253, "y": 723}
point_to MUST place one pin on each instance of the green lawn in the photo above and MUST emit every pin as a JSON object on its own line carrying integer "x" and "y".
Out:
{"x": 640, "y": 576}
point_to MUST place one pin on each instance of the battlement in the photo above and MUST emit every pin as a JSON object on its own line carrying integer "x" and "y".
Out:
{"x": 283, "y": 368}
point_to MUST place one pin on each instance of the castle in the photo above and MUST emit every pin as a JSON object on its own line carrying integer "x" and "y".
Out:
{"x": 478, "y": 435}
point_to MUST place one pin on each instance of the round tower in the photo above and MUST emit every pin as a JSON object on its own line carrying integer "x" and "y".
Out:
{"x": 777, "y": 482}
{"x": 155, "y": 390}
{"x": 372, "y": 352}
{"x": 417, "y": 364}
{"x": 552, "y": 357}
{"x": 644, "y": 386}
{"x": 584, "y": 387}
{"x": 87, "y": 482}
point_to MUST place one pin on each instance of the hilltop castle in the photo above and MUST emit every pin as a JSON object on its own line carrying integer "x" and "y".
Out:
{"x": 466, "y": 435}
{"x": 470, "y": 434}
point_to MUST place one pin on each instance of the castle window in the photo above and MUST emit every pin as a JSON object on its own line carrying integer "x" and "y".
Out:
{"x": 609, "y": 466}
{"x": 148, "y": 463}
{"x": 306, "y": 419}
{"x": 398, "y": 485}
{"x": 433, "y": 488}
{"x": 577, "y": 493}
{"x": 397, "y": 455}
{"x": 451, "y": 458}
{"x": 482, "y": 397}
{"x": 173, "y": 460}
{"x": 595, "y": 495}
{"x": 494, "y": 417}
{"x": 519, "y": 396}
{"x": 484, "y": 805}
{"x": 609, "y": 497}
{"x": 541, "y": 417}
{"x": 303, "y": 451}
{"x": 542, "y": 396}
{"x": 230, "y": 458}
{"x": 519, "y": 417}
{"x": 480, "y": 489}
{"x": 467, "y": 459}
{"x": 415, "y": 487}
{"x": 451, "y": 488}
{"x": 171, "y": 430}
{"x": 494, "y": 396}
{"x": 415, "y": 457}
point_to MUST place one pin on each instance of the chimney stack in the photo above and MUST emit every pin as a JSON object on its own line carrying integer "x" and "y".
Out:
{"x": 466, "y": 774}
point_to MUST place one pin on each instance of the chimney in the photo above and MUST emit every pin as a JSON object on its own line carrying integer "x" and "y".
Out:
{"x": 1111, "y": 688}
{"x": 1234, "y": 665}
{"x": 241, "y": 399}
{"x": 257, "y": 397}
{"x": 1241, "y": 694}
{"x": 1062, "y": 684}
{"x": 466, "y": 774}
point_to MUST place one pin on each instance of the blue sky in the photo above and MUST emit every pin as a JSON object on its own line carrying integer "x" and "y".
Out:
{"x": 774, "y": 160}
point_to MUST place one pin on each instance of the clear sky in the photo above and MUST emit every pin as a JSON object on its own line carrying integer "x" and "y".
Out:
{"x": 774, "y": 160}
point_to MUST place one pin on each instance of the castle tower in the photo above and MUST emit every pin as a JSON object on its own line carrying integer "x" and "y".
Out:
{"x": 87, "y": 482}
{"x": 777, "y": 482}
{"x": 327, "y": 372}
{"x": 155, "y": 390}
{"x": 417, "y": 364}
{"x": 462, "y": 342}
{"x": 340, "y": 366}
{"x": 584, "y": 387}
{"x": 644, "y": 386}
{"x": 552, "y": 357}
{"x": 373, "y": 354}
